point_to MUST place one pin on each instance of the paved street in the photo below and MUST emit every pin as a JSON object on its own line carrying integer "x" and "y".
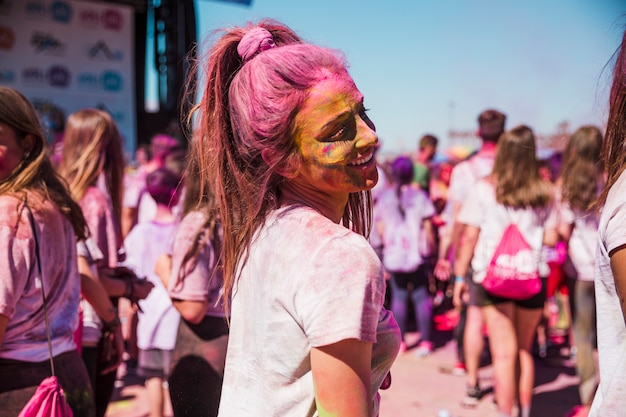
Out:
{"x": 420, "y": 388}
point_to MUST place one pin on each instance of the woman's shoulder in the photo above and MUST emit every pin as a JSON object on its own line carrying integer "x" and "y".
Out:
{"x": 10, "y": 210}
{"x": 316, "y": 230}
{"x": 95, "y": 194}
{"x": 9, "y": 203}
{"x": 94, "y": 202}
{"x": 194, "y": 218}
{"x": 190, "y": 224}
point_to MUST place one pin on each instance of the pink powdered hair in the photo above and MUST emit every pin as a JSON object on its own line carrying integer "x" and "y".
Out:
{"x": 255, "y": 41}
{"x": 249, "y": 105}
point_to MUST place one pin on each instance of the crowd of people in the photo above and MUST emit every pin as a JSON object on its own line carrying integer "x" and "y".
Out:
{"x": 269, "y": 264}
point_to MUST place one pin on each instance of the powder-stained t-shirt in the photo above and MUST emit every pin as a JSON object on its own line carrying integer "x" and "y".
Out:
{"x": 481, "y": 210}
{"x": 307, "y": 282}
{"x": 198, "y": 282}
{"x": 398, "y": 220}
{"x": 582, "y": 243}
{"x": 610, "y": 399}
{"x": 20, "y": 297}
{"x": 462, "y": 179}
{"x": 103, "y": 225}
{"x": 157, "y": 322}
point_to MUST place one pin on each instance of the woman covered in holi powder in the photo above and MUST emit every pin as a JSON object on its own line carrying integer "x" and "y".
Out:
{"x": 288, "y": 150}
{"x": 28, "y": 184}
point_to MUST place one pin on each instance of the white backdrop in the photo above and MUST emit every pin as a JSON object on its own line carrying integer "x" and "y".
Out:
{"x": 66, "y": 55}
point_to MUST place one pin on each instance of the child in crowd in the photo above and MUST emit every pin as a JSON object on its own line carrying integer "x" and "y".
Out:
{"x": 158, "y": 319}
{"x": 402, "y": 220}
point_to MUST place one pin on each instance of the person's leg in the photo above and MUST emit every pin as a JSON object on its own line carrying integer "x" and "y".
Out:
{"x": 459, "y": 367}
{"x": 504, "y": 353}
{"x": 584, "y": 336}
{"x": 90, "y": 358}
{"x": 103, "y": 391}
{"x": 526, "y": 321}
{"x": 423, "y": 306}
{"x": 399, "y": 296}
{"x": 195, "y": 388}
{"x": 154, "y": 389}
{"x": 473, "y": 343}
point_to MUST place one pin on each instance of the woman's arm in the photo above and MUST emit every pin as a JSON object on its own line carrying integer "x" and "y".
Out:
{"x": 618, "y": 266}
{"x": 92, "y": 289}
{"x": 342, "y": 379}
{"x": 550, "y": 237}
{"x": 468, "y": 236}
{"x": 565, "y": 231}
{"x": 191, "y": 311}
{"x": 429, "y": 230}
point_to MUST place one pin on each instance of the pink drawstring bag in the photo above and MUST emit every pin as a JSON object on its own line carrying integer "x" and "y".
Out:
{"x": 513, "y": 271}
{"x": 48, "y": 401}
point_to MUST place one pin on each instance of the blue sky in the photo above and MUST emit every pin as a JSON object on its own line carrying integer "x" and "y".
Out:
{"x": 431, "y": 66}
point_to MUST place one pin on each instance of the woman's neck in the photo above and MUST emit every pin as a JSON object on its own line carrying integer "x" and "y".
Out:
{"x": 329, "y": 205}
{"x": 164, "y": 215}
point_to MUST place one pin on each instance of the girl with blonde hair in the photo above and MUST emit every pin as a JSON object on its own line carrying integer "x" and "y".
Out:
{"x": 506, "y": 196}
{"x": 30, "y": 189}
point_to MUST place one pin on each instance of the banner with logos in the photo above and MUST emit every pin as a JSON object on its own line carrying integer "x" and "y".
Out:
{"x": 66, "y": 55}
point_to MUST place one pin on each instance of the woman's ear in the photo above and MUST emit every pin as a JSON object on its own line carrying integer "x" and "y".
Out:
{"x": 285, "y": 169}
{"x": 28, "y": 144}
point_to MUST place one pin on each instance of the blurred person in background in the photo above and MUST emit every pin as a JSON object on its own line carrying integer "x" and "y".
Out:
{"x": 29, "y": 186}
{"x": 502, "y": 198}
{"x": 469, "y": 332}
{"x": 578, "y": 187}
{"x": 610, "y": 261}
{"x": 403, "y": 222}
{"x": 93, "y": 165}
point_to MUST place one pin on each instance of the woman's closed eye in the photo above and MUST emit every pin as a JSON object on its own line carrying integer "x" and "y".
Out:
{"x": 365, "y": 117}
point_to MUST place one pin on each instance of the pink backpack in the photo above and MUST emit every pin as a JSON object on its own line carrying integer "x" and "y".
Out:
{"x": 513, "y": 271}
{"x": 48, "y": 401}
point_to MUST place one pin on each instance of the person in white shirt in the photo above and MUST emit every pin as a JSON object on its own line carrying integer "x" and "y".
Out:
{"x": 578, "y": 186}
{"x": 403, "y": 220}
{"x": 287, "y": 148}
{"x": 502, "y": 198}
{"x": 470, "y": 337}
{"x": 610, "y": 266}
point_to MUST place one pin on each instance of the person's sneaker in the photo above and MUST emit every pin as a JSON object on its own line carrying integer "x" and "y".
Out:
{"x": 424, "y": 349}
{"x": 472, "y": 397}
{"x": 459, "y": 369}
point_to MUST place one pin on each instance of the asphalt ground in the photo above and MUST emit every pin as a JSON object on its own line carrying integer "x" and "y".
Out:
{"x": 425, "y": 386}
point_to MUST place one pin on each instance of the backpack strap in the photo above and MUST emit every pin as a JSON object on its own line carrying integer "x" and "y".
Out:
{"x": 39, "y": 281}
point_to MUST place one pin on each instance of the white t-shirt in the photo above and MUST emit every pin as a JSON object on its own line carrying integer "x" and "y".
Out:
{"x": 92, "y": 324}
{"x": 582, "y": 244}
{"x": 157, "y": 324}
{"x": 400, "y": 235}
{"x": 307, "y": 282}
{"x": 481, "y": 210}
{"x": 20, "y": 294}
{"x": 199, "y": 281}
{"x": 610, "y": 399}
{"x": 463, "y": 177}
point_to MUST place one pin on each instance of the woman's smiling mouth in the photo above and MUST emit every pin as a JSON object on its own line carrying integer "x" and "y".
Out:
{"x": 362, "y": 160}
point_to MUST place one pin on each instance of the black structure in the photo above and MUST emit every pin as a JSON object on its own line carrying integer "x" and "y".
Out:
{"x": 174, "y": 28}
